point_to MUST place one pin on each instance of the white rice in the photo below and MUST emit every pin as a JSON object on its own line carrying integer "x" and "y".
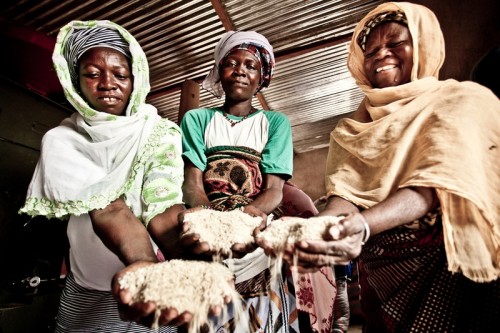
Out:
{"x": 222, "y": 229}
{"x": 192, "y": 286}
{"x": 294, "y": 229}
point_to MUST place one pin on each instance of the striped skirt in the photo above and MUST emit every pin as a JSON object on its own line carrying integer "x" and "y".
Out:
{"x": 86, "y": 310}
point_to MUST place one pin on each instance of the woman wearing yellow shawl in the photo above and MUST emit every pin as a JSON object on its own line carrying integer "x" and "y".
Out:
{"x": 417, "y": 166}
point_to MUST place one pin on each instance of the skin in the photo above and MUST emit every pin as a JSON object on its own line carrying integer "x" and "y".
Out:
{"x": 240, "y": 79}
{"x": 389, "y": 55}
{"x": 105, "y": 80}
{"x": 388, "y": 44}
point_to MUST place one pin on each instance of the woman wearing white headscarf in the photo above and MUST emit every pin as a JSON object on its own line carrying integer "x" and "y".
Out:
{"x": 239, "y": 157}
{"x": 417, "y": 166}
{"x": 114, "y": 169}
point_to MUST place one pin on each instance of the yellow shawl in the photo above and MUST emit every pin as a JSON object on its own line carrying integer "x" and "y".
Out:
{"x": 429, "y": 133}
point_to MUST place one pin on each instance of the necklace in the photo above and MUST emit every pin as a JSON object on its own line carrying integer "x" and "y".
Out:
{"x": 234, "y": 122}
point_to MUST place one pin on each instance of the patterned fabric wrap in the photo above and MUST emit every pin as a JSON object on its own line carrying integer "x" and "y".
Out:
{"x": 83, "y": 40}
{"x": 232, "y": 177}
{"x": 251, "y": 41}
{"x": 395, "y": 16}
{"x": 421, "y": 295}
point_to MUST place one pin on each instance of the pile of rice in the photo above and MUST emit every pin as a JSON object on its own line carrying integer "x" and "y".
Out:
{"x": 222, "y": 229}
{"x": 294, "y": 229}
{"x": 192, "y": 286}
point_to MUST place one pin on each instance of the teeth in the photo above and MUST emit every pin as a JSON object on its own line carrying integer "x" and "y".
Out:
{"x": 387, "y": 67}
{"x": 108, "y": 99}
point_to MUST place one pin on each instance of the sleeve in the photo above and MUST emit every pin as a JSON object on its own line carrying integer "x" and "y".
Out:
{"x": 193, "y": 126}
{"x": 277, "y": 156}
{"x": 164, "y": 175}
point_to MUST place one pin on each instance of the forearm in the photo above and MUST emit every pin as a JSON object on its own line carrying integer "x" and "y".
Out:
{"x": 268, "y": 199}
{"x": 194, "y": 196}
{"x": 122, "y": 233}
{"x": 338, "y": 206}
{"x": 164, "y": 229}
{"x": 402, "y": 207}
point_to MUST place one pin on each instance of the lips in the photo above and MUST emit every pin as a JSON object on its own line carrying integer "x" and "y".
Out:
{"x": 109, "y": 99}
{"x": 384, "y": 68}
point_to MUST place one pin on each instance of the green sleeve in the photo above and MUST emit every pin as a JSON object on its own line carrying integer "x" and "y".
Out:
{"x": 163, "y": 176}
{"x": 193, "y": 126}
{"x": 277, "y": 156}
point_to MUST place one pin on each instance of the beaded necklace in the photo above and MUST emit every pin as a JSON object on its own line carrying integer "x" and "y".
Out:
{"x": 234, "y": 122}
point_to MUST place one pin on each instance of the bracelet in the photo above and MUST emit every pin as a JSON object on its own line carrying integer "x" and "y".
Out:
{"x": 206, "y": 206}
{"x": 366, "y": 235}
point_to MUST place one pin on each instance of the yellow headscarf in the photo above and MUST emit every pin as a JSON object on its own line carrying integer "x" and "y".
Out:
{"x": 429, "y": 133}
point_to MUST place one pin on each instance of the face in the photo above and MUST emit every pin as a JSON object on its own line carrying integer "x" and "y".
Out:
{"x": 105, "y": 80}
{"x": 389, "y": 55}
{"x": 240, "y": 75}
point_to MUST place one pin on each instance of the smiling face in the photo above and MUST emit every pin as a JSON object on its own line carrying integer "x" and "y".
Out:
{"x": 240, "y": 75}
{"x": 105, "y": 80}
{"x": 389, "y": 55}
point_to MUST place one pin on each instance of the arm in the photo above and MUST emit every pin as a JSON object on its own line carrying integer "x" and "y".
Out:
{"x": 402, "y": 207}
{"x": 192, "y": 188}
{"x": 269, "y": 198}
{"x": 164, "y": 229}
{"x": 121, "y": 231}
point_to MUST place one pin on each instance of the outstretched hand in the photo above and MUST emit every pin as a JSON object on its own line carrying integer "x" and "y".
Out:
{"x": 144, "y": 312}
{"x": 340, "y": 244}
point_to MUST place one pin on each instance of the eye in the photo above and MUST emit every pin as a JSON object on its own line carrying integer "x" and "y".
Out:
{"x": 91, "y": 75}
{"x": 229, "y": 63}
{"x": 396, "y": 44}
{"x": 371, "y": 53}
{"x": 122, "y": 76}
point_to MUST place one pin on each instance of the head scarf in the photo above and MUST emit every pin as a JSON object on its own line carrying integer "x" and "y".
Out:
{"x": 402, "y": 136}
{"x": 251, "y": 41}
{"x": 82, "y": 40}
{"x": 92, "y": 157}
{"x": 428, "y": 41}
{"x": 396, "y": 16}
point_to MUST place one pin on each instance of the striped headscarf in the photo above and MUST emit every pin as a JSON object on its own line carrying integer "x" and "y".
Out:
{"x": 82, "y": 40}
{"x": 250, "y": 41}
{"x": 394, "y": 16}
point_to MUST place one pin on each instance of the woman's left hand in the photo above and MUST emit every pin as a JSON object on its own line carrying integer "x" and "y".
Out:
{"x": 341, "y": 244}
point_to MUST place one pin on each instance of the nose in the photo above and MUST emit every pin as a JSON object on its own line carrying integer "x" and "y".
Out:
{"x": 107, "y": 82}
{"x": 239, "y": 70}
{"x": 383, "y": 52}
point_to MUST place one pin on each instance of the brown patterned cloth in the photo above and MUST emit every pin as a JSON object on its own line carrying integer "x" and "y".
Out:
{"x": 406, "y": 286}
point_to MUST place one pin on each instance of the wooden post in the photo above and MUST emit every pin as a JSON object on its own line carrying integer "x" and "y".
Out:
{"x": 190, "y": 97}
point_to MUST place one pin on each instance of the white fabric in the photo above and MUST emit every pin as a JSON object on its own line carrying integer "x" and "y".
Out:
{"x": 87, "y": 161}
{"x": 229, "y": 40}
{"x": 252, "y": 133}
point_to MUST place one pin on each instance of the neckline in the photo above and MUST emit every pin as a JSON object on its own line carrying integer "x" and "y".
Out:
{"x": 235, "y": 122}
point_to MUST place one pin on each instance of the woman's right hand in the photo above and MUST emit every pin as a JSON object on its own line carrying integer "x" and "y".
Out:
{"x": 341, "y": 244}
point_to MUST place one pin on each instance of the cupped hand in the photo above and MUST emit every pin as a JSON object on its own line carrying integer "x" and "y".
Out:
{"x": 190, "y": 241}
{"x": 340, "y": 244}
{"x": 144, "y": 312}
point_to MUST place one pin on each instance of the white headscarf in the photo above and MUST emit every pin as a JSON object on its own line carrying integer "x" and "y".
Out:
{"x": 92, "y": 157}
{"x": 242, "y": 39}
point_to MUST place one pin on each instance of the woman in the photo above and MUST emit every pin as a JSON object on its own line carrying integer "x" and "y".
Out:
{"x": 239, "y": 157}
{"x": 417, "y": 165}
{"x": 114, "y": 168}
